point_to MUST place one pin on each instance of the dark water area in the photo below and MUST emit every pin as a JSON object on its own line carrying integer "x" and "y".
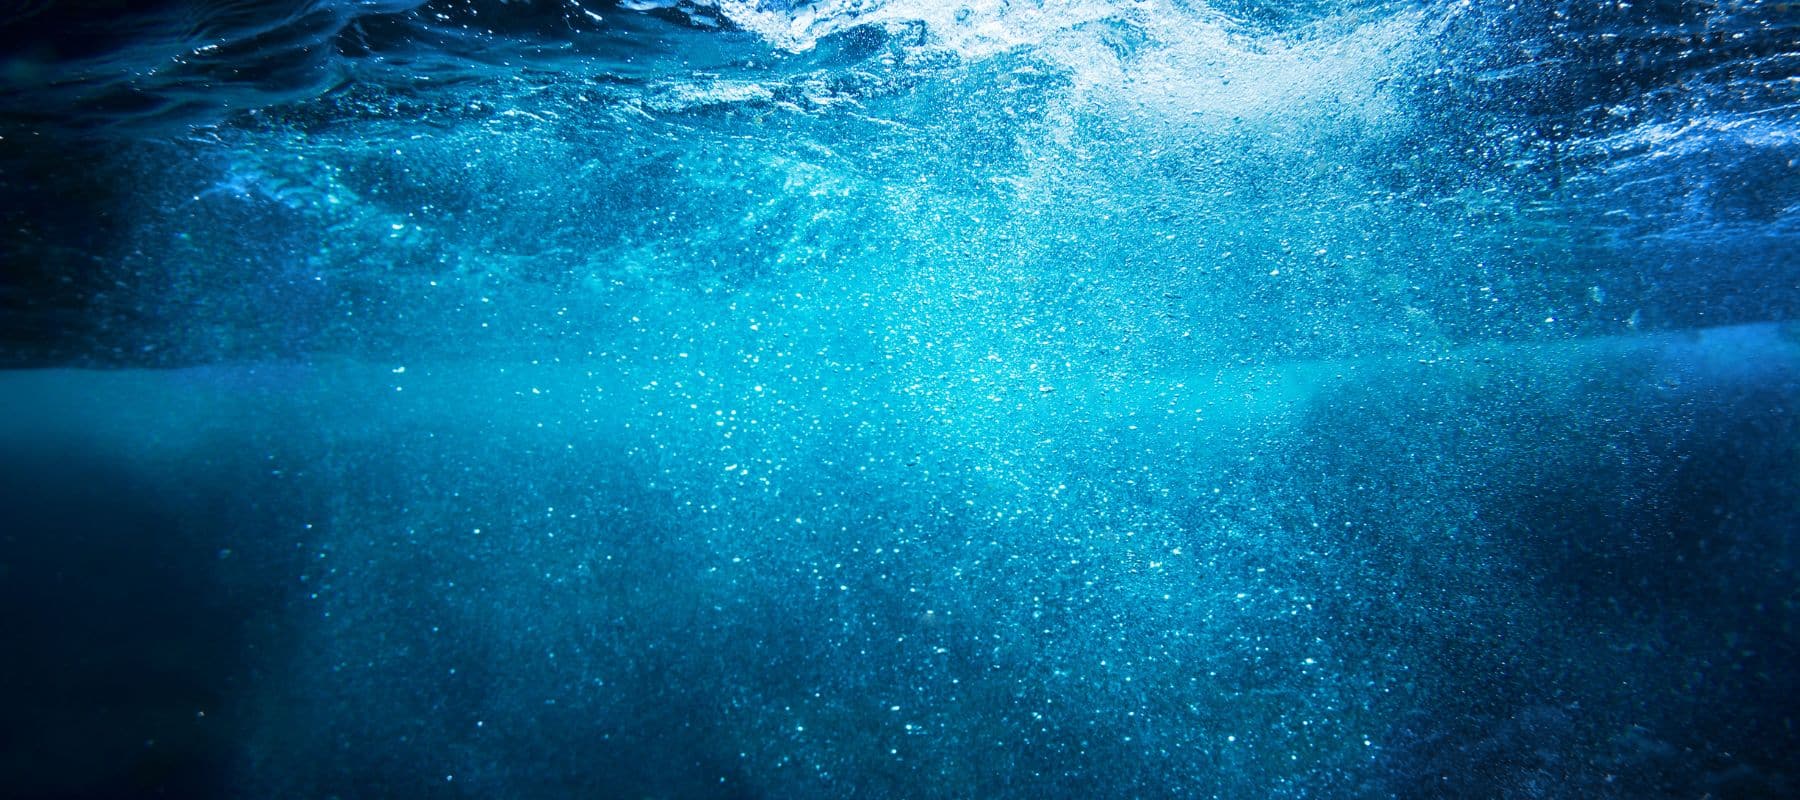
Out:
{"x": 688, "y": 399}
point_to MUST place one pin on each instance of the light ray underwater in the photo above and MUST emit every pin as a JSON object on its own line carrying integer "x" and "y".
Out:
{"x": 900, "y": 399}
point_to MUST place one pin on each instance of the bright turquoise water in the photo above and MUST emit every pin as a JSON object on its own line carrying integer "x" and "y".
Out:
{"x": 900, "y": 399}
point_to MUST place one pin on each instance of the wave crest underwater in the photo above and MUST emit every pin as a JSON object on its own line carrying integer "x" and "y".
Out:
{"x": 675, "y": 398}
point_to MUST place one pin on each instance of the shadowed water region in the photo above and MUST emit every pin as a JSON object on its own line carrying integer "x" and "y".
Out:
{"x": 899, "y": 399}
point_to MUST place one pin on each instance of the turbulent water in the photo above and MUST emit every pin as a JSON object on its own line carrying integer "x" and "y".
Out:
{"x": 900, "y": 398}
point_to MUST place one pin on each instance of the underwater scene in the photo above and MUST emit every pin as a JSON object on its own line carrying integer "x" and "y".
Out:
{"x": 899, "y": 399}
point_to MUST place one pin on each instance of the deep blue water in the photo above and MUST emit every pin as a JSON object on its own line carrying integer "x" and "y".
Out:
{"x": 898, "y": 398}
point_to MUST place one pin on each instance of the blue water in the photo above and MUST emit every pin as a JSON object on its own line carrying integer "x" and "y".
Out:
{"x": 893, "y": 398}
